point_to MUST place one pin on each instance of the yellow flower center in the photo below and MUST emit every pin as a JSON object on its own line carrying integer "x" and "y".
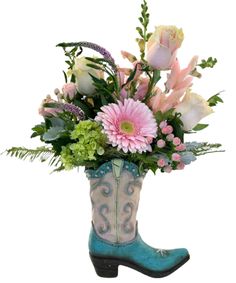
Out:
{"x": 127, "y": 127}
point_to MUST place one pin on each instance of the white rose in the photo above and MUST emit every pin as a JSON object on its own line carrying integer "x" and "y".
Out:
{"x": 193, "y": 108}
{"x": 83, "y": 79}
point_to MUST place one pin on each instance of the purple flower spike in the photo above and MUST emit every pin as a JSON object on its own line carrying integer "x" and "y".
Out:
{"x": 106, "y": 54}
{"x": 74, "y": 110}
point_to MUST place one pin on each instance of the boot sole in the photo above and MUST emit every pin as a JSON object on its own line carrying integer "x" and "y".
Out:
{"x": 108, "y": 267}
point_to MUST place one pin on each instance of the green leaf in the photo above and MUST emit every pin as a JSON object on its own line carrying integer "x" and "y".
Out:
{"x": 168, "y": 115}
{"x": 73, "y": 79}
{"x": 51, "y": 105}
{"x": 140, "y": 31}
{"x": 103, "y": 99}
{"x": 131, "y": 76}
{"x": 96, "y": 67}
{"x": 53, "y": 133}
{"x": 200, "y": 127}
{"x": 38, "y": 130}
{"x": 65, "y": 76}
{"x": 156, "y": 77}
{"x": 209, "y": 63}
{"x": 57, "y": 122}
{"x": 84, "y": 107}
{"x": 215, "y": 99}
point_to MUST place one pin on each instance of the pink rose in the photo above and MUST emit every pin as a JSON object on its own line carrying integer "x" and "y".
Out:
{"x": 162, "y": 46}
{"x": 69, "y": 90}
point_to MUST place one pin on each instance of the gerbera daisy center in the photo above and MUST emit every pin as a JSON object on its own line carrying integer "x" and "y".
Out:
{"x": 127, "y": 127}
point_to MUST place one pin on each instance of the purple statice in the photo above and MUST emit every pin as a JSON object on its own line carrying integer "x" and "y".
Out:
{"x": 73, "y": 109}
{"x": 106, "y": 54}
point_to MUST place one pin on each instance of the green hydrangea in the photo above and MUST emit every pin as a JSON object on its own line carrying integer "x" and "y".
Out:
{"x": 89, "y": 142}
{"x": 67, "y": 158}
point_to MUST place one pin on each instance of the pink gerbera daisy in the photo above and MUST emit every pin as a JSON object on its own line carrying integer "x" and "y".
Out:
{"x": 129, "y": 125}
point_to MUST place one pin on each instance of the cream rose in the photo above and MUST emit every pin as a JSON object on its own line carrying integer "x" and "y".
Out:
{"x": 82, "y": 73}
{"x": 193, "y": 108}
{"x": 162, "y": 46}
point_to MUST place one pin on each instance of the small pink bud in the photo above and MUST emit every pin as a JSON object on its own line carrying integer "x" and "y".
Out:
{"x": 181, "y": 147}
{"x": 149, "y": 139}
{"x": 180, "y": 166}
{"x": 170, "y": 137}
{"x": 163, "y": 124}
{"x": 167, "y": 130}
{"x": 69, "y": 90}
{"x": 176, "y": 157}
{"x": 161, "y": 162}
{"x": 161, "y": 143}
{"x": 167, "y": 169}
{"x": 176, "y": 141}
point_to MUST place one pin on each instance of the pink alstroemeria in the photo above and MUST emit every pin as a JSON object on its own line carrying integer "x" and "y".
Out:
{"x": 46, "y": 111}
{"x": 142, "y": 89}
{"x": 181, "y": 79}
{"x": 163, "y": 102}
{"x": 129, "y": 56}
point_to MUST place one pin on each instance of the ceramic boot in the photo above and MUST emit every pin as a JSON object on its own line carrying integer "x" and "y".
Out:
{"x": 114, "y": 239}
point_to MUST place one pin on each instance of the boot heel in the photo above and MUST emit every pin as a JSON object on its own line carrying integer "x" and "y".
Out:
{"x": 104, "y": 267}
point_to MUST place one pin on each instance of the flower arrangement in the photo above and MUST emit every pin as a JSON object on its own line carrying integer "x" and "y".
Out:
{"x": 141, "y": 113}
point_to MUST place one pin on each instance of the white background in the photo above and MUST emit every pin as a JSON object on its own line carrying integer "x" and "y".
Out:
{"x": 45, "y": 219}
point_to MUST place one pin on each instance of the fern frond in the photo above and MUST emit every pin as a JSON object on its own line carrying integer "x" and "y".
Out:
{"x": 43, "y": 153}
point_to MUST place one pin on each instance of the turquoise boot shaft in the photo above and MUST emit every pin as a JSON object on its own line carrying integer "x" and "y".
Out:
{"x": 114, "y": 239}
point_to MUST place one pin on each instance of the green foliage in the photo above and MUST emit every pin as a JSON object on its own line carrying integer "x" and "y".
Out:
{"x": 209, "y": 63}
{"x": 111, "y": 85}
{"x": 38, "y": 130}
{"x": 200, "y": 127}
{"x": 142, "y": 30}
{"x": 89, "y": 143}
{"x": 202, "y": 148}
{"x": 215, "y": 99}
{"x": 54, "y": 133}
{"x": 131, "y": 76}
{"x": 153, "y": 81}
{"x": 43, "y": 153}
{"x": 57, "y": 127}
{"x": 88, "y": 110}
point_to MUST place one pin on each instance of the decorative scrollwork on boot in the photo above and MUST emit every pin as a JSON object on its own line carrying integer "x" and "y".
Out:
{"x": 128, "y": 227}
{"x": 104, "y": 209}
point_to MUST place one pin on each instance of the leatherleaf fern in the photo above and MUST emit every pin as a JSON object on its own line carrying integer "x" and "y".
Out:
{"x": 42, "y": 153}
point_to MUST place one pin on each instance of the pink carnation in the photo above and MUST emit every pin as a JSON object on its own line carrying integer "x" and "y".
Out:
{"x": 129, "y": 125}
